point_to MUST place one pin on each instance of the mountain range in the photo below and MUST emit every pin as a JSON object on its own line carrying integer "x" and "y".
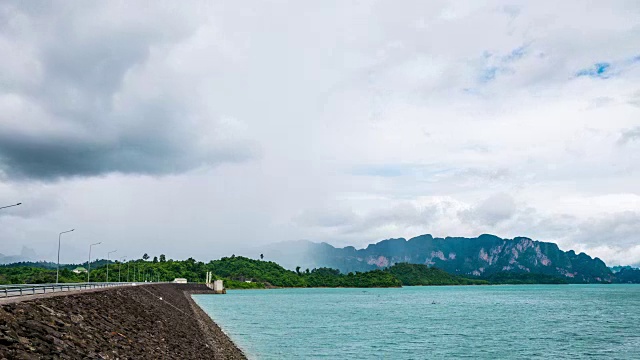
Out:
{"x": 480, "y": 257}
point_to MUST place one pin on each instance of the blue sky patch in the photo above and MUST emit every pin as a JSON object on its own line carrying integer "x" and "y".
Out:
{"x": 499, "y": 64}
{"x": 489, "y": 74}
{"x": 600, "y": 70}
{"x": 516, "y": 54}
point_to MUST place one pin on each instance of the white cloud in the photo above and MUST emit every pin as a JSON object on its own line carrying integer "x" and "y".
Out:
{"x": 232, "y": 124}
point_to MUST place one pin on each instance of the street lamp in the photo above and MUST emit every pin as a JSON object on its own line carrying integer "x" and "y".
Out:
{"x": 89, "y": 263}
{"x": 120, "y": 267}
{"x": 109, "y": 253}
{"x": 58, "y": 267}
{"x": 8, "y": 206}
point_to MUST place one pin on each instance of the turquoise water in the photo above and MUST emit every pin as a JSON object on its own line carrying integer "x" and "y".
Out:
{"x": 475, "y": 322}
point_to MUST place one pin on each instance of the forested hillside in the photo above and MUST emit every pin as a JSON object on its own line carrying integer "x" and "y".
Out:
{"x": 237, "y": 271}
{"x": 243, "y": 273}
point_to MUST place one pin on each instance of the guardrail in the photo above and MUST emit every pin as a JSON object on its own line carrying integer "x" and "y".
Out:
{"x": 8, "y": 291}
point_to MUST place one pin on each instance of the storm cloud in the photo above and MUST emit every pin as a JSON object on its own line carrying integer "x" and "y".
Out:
{"x": 79, "y": 97}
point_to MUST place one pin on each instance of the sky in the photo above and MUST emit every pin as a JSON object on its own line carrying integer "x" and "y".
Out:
{"x": 205, "y": 128}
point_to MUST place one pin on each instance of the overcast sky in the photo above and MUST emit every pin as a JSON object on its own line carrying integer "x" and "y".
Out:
{"x": 204, "y": 128}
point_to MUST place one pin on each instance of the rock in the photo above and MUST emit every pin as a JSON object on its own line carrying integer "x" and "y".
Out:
{"x": 6, "y": 340}
{"x": 113, "y": 324}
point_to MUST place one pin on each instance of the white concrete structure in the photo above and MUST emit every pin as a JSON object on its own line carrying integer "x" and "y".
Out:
{"x": 218, "y": 287}
{"x": 180, "y": 280}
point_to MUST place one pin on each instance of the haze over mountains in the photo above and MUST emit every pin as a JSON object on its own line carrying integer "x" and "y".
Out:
{"x": 26, "y": 254}
{"x": 481, "y": 256}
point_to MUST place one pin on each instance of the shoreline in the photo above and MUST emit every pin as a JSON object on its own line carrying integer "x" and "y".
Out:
{"x": 403, "y": 286}
{"x": 213, "y": 331}
{"x": 219, "y": 328}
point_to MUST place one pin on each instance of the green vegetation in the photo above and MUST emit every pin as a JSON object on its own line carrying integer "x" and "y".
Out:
{"x": 418, "y": 274}
{"x": 243, "y": 273}
{"x": 239, "y": 269}
{"x": 326, "y": 277}
{"x": 36, "y": 275}
{"x": 524, "y": 278}
{"x": 238, "y": 273}
{"x": 243, "y": 269}
{"x": 628, "y": 275}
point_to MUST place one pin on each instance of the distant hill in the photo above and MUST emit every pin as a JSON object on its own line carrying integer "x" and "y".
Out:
{"x": 628, "y": 275}
{"x": 617, "y": 269}
{"x": 479, "y": 257}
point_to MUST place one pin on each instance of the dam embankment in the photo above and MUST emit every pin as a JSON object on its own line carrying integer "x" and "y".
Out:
{"x": 134, "y": 322}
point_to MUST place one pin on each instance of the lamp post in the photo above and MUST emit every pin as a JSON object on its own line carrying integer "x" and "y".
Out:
{"x": 89, "y": 263}
{"x": 8, "y": 206}
{"x": 109, "y": 253}
{"x": 58, "y": 267}
{"x": 128, "y": 266}
{"x": 120, "y": 268}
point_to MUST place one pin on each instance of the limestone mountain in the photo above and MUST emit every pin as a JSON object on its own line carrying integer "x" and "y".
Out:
{"x": 480, "y": 257}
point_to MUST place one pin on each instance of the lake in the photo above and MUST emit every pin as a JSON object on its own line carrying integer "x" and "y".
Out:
{"x": 476, "y": 322}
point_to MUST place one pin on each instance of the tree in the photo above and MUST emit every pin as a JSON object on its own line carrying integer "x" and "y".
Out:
{"x": 298, "y": 270}
{"x": 261, "y": 256}
{"x": 155, "y": 259}
{"x": 145, "y": 257}
{"x": 162, "y": 258}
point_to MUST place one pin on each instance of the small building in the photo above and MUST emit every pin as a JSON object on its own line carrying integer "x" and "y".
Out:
{"x": 180, "y": 280}
{"x": 79, "y": 270}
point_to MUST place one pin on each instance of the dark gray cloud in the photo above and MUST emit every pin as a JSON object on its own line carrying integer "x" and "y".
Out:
{"x": 74, "y": 108}
{"x": 156, "y": 151}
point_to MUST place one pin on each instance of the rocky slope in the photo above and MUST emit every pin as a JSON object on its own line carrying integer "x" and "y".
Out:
{"x": 119, "y": 323}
